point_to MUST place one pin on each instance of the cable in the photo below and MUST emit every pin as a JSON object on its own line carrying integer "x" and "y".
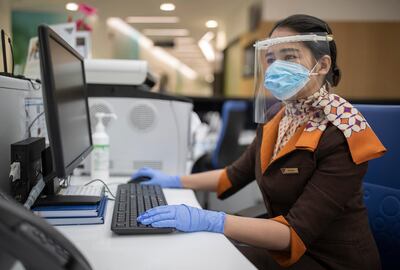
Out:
{"x": 105, "y": 185}
{"x": 35, "y": 192}
{"x": 178, "y": 137}
{"x": 64, "y": 183}
{"x": 3, "y": 47}
{"x": 12, "y": 54}
{"x": 33, "y": 81}
{"x": 33, "y": 121}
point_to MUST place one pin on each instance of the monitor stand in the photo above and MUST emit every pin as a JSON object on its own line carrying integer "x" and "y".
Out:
{"x": 53, "y": 185}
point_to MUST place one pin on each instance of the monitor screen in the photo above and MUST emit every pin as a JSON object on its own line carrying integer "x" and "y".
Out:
{"x": 65, "y": 102}
{"x": 70, "y": 98}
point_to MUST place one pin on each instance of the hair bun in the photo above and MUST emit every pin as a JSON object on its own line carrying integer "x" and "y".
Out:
{"x": 336, "y": 70}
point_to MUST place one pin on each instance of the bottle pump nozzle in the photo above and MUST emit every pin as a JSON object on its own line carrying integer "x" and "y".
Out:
{"x": 100, "y": 116}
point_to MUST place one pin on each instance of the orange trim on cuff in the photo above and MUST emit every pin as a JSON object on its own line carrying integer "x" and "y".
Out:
{"x": 297, "y": 247}
{"x": 224, "y": 183}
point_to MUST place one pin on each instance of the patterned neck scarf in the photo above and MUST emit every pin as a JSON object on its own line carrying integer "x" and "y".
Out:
{"x": 338, "y": 111}
{"x": 316, "y": 111}
{"x": 297, "y": 113}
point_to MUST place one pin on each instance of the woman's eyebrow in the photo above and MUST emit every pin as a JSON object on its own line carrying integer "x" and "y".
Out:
{"x": 285, "y": 50}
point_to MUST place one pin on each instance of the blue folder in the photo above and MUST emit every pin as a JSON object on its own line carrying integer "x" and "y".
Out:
{"x": 79, "y": 220}
{"x": 69, "y": 210}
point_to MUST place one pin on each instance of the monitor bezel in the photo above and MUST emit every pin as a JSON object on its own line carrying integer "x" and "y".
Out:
{"x": 51, "y": 111}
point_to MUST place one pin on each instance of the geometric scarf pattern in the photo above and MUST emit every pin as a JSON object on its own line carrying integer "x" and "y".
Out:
{"x": 316, "y": 111}
{"x": 339, "y": 112}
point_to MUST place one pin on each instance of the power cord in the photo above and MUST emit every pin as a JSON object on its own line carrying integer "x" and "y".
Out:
{"x": 104, "y": 184}
{"x": 33, "y": 122}
{"x": 12, "y": 53}
{"x": 35, "y": 192}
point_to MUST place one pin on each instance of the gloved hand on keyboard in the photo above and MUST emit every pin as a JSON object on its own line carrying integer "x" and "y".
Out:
{"x": 158, "y": 178}
{"x": 184, "y": 218}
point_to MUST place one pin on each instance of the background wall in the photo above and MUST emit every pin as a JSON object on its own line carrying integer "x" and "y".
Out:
{"x": 24, "y": 27}
{"x": 367, "y": 33}
{"x": 238, "y": 23}
{"x": 338, "y": 10}
{"x": 5, "y": 15}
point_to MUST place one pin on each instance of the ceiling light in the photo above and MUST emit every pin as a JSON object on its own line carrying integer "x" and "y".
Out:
{"x": 166, "y": 32}
{"x": 167, "y": 7}
{"x": 207, "y": 50}
{"x": 72, "y": 6}
{"x": 212, "y": 24}
{"x": 162, "y": 55}
{"x": 208, "y": 36}
{"x": 206, "y": 47}
{"x": 151, "y": 19}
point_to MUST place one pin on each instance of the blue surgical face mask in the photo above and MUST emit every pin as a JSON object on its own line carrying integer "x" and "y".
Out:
{"x": 285, "y": 79}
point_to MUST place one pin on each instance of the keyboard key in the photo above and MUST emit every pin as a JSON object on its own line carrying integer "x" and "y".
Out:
{"x": 154, "y": 202}
{"x": 122, "y": 207}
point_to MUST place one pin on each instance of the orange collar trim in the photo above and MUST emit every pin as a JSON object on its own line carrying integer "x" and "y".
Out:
{"x": 363, "y": 145}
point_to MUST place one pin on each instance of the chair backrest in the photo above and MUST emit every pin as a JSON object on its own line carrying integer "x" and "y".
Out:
{"x": 383, "y": 204}
{"x": 385, "y": 121}
{"x": 227, "y": 149}
{"x": 382, "y": 183}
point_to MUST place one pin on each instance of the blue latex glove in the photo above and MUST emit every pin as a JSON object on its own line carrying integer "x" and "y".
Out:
{"x": 158, "y": 178}
{"x": 184, "y": 218}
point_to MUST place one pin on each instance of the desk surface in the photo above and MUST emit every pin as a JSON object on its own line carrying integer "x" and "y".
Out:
{"x": 108, "y": 251}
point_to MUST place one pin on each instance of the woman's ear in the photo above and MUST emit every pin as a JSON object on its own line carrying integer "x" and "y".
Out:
{"x": 324, "y": 66}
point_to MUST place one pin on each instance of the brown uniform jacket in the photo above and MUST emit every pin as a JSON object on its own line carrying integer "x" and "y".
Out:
{"x": 315, "y": 187}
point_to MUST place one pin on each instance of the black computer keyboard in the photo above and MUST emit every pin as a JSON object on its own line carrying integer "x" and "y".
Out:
{"x": 131, "y": 201}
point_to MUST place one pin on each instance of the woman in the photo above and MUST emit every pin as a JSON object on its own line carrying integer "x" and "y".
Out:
{"x": 308, "y": 158}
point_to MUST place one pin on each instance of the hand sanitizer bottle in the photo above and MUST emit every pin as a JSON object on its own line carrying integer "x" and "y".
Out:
{"x": 100, "y": 159}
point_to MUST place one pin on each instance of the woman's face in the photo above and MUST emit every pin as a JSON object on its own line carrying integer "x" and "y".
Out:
{"x": 299, "y": 53}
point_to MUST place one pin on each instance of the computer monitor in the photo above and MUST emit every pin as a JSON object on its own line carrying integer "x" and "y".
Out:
{"x": 65, "y": 102}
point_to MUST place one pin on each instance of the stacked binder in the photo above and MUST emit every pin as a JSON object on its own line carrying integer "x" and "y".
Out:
{"x": 73, "y": 214}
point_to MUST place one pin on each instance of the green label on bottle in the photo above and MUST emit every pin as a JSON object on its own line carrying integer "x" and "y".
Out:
{"x": 100, "y": 146}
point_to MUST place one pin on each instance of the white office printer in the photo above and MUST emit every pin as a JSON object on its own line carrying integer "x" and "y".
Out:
{"x": 152, "y": 129}
{"x": 118, "y": 72}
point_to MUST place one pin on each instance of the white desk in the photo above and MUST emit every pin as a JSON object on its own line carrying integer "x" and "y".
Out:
{"x": 108, "y": 251}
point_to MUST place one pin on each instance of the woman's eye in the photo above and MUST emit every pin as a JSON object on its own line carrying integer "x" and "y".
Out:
{"x": 290, "y": 57}
{"x": 270, "y": 60}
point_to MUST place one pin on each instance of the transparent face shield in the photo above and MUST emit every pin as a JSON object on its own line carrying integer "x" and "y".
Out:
{"x": 289, "y": 68}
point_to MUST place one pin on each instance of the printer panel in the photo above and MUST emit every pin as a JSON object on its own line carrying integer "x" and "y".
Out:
{"x": 148, "y": 132}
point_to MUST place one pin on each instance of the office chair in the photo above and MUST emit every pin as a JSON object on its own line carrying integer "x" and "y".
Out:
{"x": 382, "y": 183}
{"x": 227, "y": 148}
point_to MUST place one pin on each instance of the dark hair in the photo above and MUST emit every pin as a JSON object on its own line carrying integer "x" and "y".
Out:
{"x": 301, "y": 23}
